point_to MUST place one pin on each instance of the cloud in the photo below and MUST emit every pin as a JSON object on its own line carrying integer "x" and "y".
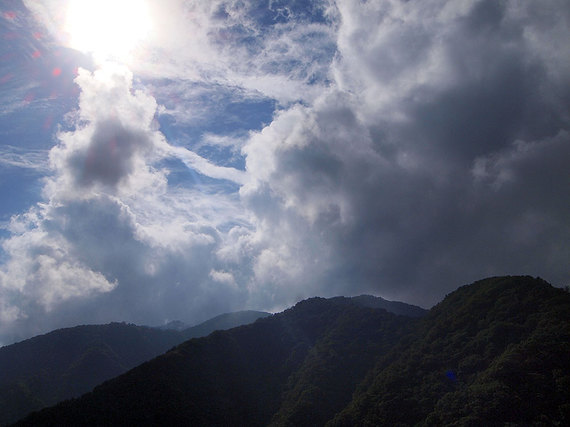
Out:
{"x": 194, "y": 161}
{"x": 42, "y": 269}
{"x": 253, "y": 46}
{"x": 414, "y": 146}
{"x": 36, "y": 160}
{"x": 383, "y": 181}
{"x": 223, "y": 277}
{"x": 112, "y": 239}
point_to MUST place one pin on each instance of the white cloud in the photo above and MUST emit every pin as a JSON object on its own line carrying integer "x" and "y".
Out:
{"x": 225, "y": 43}
{"x": 194, "y": 161}
{"x": 111, "y": 228}
{"x": 398, "y": 171}
{"x": 223, "y": 277}
{"x": 42, "y": 266}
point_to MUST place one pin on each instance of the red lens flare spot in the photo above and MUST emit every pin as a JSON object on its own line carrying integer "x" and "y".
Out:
{"x": 36, "y": 54}
{"x": 56, "y": 72}
{"x": 38, "y": 35}
{"x": 29, "y": 98}
{"x": 9, "y": 15}
{"x": 48, "y": 122}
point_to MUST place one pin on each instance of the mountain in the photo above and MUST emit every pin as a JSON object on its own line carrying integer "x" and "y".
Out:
{"x": 220, "y": 322}
{"x": 490, "y": 353}
{"x": 244, "y": 376}
{"x": 395, "y": 307}
{"x": 495, "y": 352}
{"x": 66, "y": 363}
{"x": 224, "y": 321}
{"x": 46, "y": 369}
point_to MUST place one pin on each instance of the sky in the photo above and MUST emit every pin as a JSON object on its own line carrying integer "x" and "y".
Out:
{"x": 173, "y": 159}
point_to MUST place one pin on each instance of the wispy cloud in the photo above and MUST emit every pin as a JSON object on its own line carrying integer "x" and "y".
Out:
{"x": 203, "y": 166}
{"x": 18, "y": 157}
{"x": 406, "y": 147}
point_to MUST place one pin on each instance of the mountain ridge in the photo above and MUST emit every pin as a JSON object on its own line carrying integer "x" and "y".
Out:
{"x": 30, "y": 382}
{"x": 478, "y": 357}
{"x": 69, "y": 362}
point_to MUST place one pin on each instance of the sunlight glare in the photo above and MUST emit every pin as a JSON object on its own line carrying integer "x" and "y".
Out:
{"x": 108, "y": 29}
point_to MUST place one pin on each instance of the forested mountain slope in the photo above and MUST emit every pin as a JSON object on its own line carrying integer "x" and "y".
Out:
{"x": 492, "y": 352}
{"x": 46, "y": 369}
{"x": 69, "y": 362}
{"x": 497, "y": 351}
{"x": 302, "y": 362}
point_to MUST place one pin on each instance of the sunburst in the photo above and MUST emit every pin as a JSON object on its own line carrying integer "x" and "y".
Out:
{"x": 108, "y": 29}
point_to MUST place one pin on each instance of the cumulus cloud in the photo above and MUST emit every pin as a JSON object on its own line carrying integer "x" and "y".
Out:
{"x": 415, "y": 146}
{"x": 112, "y": 239}
{"x": 425, "y": 166}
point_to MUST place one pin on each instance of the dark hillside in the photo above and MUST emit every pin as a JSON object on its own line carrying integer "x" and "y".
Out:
{"x": 395, "y": 307}
{"x": 496, "y": 351}
{"x": 67, "y": 363}
{"x": 46, "y": 369}
{"x": 282, "y": 367}
{"x": 492, "y": 353}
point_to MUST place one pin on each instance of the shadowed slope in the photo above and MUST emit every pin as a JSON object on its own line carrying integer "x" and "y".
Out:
{"x": 494, "y": 352}
{"x": 69, "y": 362}
{"x": 239, "y": 377}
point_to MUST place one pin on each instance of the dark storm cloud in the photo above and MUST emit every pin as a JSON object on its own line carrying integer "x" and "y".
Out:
{"x": 452, "y": 172}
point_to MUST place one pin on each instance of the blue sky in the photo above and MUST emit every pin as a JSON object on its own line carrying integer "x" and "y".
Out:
{"x": 175, "y": 159}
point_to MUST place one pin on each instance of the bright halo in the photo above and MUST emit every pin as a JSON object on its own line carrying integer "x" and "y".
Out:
{"x": 109, "y": 29}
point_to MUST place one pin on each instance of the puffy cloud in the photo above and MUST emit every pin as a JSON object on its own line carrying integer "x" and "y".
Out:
{"x": 223, "y": 277}
{"x": 113, "y": 240}
{"x": 427, "y": 150}
{"x": 385, "y": 176}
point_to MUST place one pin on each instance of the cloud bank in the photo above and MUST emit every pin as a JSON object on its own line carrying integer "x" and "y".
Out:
{"x": 415, "y": 146}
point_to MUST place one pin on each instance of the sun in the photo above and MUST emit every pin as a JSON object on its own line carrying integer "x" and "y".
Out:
{"x": 108, "y": 29}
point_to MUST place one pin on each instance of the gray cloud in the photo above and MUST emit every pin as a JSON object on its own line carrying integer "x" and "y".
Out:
{"x": 430, "y": 152}
{"x": 444, "y": 165}
{"x": 109, "y": 156}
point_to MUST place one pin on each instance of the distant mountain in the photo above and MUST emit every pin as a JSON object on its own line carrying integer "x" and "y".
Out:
{"x": 395, "y": 307}
{"x": 69, "y": 362}
{"x": 220, "y": 322}
{"x": 492, "y": 353}
{"x": 223, "y": 321}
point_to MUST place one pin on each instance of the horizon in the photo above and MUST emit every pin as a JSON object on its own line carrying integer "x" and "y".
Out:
{"x": 200, "y": 322}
